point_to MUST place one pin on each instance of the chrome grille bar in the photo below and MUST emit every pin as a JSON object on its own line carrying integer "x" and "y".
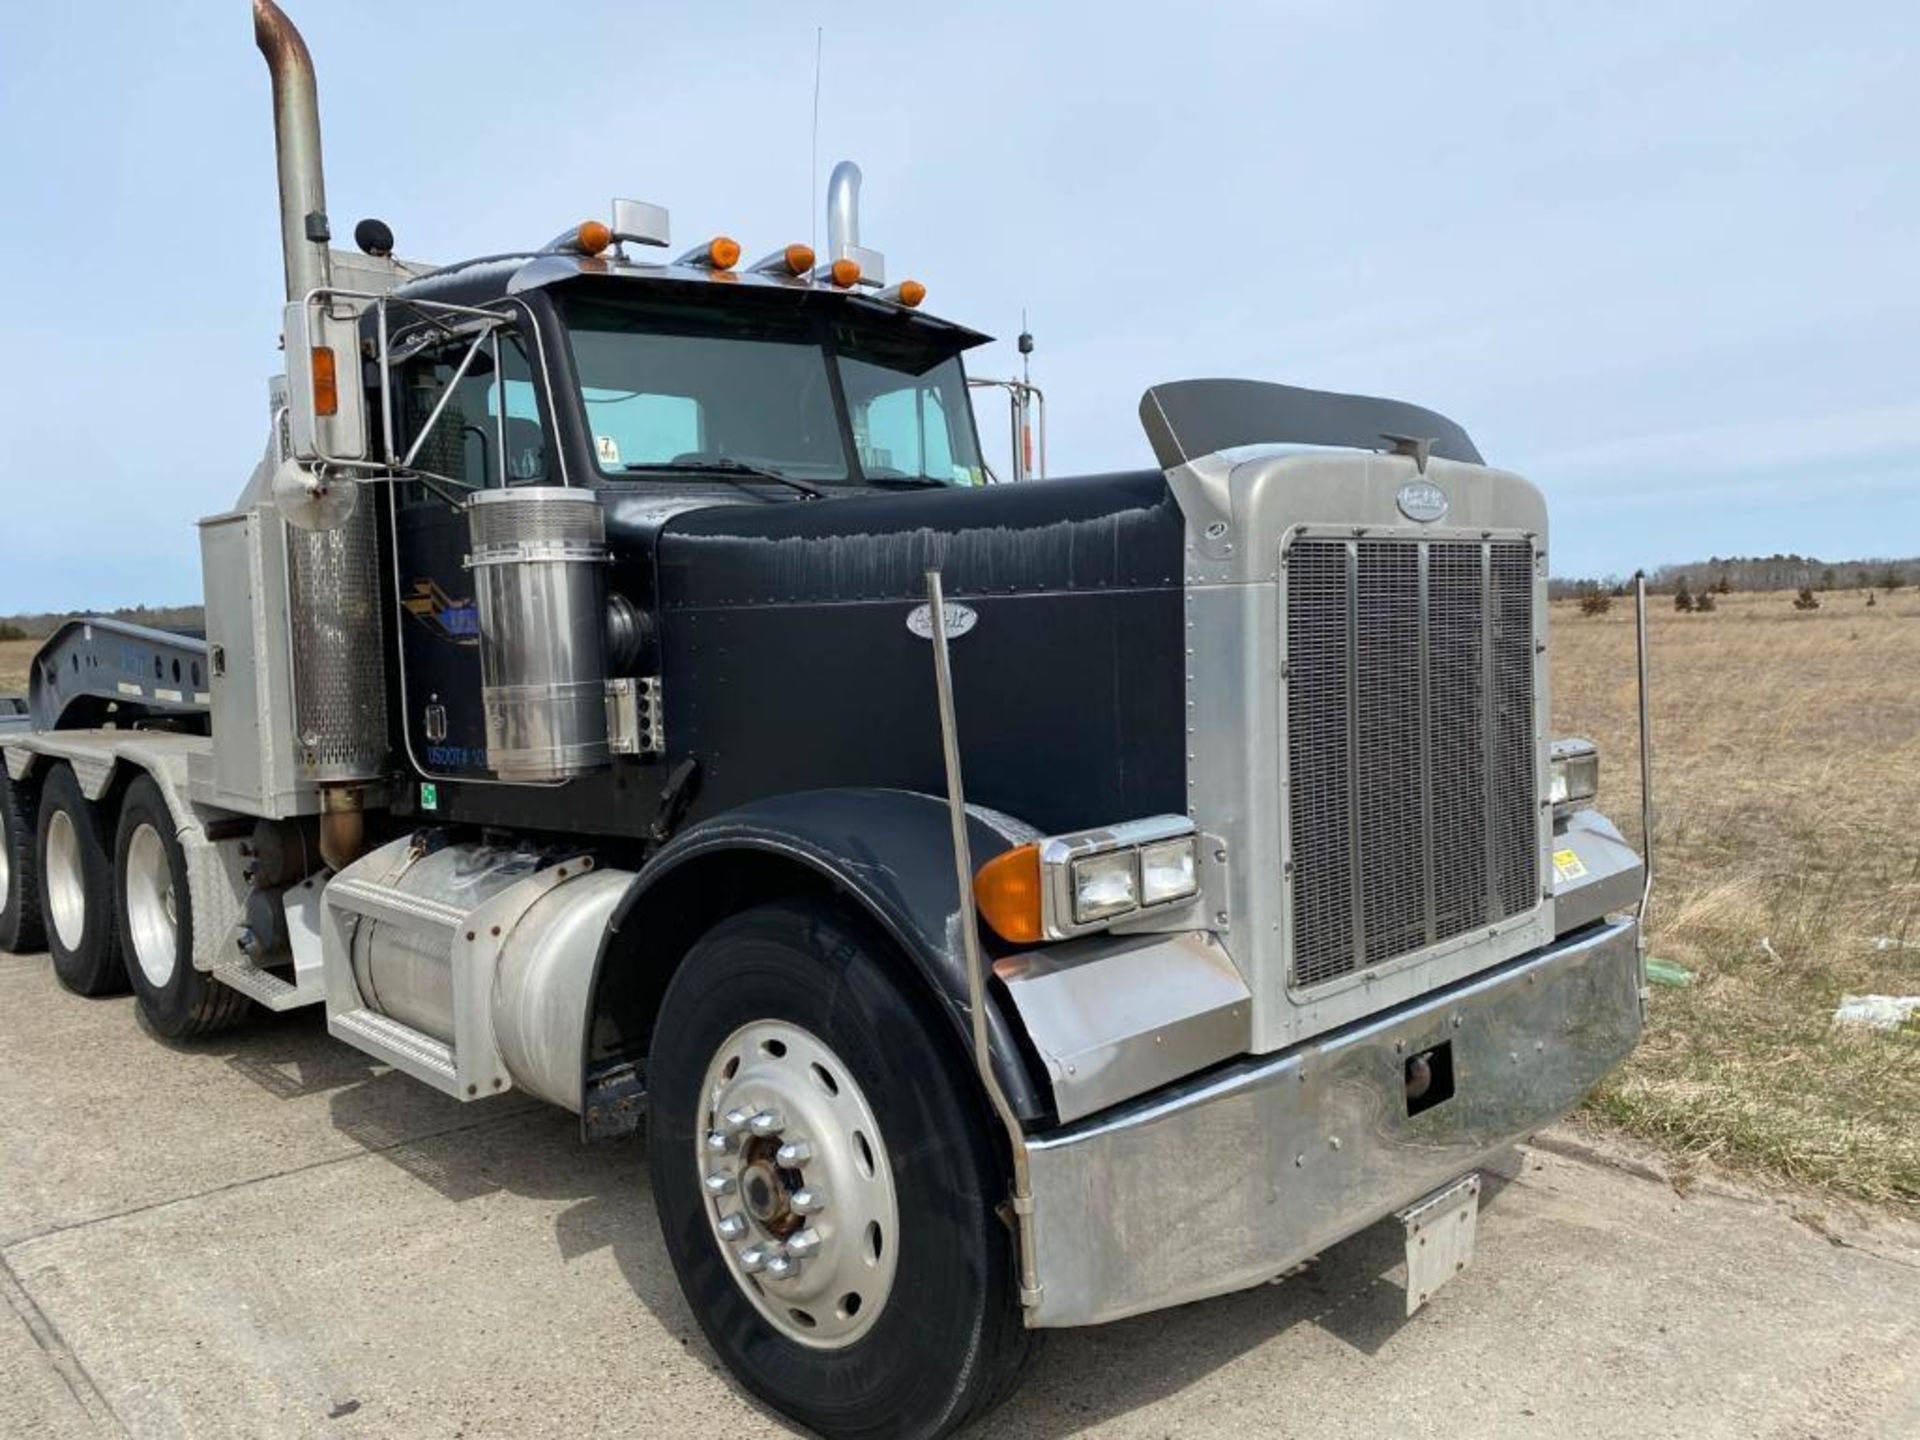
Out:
{"x": 1410, "y": 713}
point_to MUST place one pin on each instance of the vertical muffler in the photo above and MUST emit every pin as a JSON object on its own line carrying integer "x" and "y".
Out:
{"x": 333, "y": 582}
{"x": 538, "y": 556}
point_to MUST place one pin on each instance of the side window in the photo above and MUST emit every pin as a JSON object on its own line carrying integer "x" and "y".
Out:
{"x": 486, "y": 412}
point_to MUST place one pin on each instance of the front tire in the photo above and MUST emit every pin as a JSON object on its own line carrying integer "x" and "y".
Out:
{"x": 76, "y": 889}
{"x": 155, "y": 911}
{"x": 21, "y": 932}
{"x": 784, "y": 1036}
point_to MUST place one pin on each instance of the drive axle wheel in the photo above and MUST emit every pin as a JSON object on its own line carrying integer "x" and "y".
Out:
{"x": 76, "y": 887}
{"x": 20, "y": 929}
{"x": 156, "y": 924}
{"x": 827, "y": 1180}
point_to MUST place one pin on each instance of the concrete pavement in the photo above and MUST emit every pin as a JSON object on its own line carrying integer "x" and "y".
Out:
{"x": 269, "y": 1235}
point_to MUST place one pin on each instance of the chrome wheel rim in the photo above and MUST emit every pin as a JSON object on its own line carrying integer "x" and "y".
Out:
{"x": 6, "y": 867}
{"x": 66, "y": 881}
{"x": 797, "y": 1184}
{"x": 153, "y": 923}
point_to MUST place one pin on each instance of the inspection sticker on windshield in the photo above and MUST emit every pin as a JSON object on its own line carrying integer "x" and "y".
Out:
{"x": 609, "y": 449}
{"x": 1567, "y": 865}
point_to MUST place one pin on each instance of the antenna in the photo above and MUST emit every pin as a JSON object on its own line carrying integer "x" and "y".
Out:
{"x": 813, "y": 174}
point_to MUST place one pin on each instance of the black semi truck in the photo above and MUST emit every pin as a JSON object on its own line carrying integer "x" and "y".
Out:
{"x": 1000, "y": 906}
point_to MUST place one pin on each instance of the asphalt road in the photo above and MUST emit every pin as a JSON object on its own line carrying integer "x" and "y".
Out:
{"x": 269, "y": 1235}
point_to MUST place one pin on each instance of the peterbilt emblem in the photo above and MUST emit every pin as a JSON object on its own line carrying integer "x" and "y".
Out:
{"x": 959, "y": 619}
{"x": 1422, "y": 500}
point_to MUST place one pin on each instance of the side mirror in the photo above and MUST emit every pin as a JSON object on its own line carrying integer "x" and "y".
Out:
{"x": 326, "y": 407}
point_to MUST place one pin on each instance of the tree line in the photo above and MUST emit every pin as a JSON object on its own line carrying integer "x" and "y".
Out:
{"x": 1721, "y": 576}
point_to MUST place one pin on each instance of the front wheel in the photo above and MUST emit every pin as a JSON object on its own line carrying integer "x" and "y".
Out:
{"x": 827, "y": 1182}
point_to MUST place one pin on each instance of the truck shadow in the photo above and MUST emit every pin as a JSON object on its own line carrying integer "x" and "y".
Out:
{"x": 1353, "y": 1293}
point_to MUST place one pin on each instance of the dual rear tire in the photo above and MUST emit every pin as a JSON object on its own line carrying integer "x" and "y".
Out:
{"x": 110, "y": 901}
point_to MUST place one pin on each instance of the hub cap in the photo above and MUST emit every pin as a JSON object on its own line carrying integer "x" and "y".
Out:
{"x": 66, "y": 881}
{"x": 152, "y": 921}
{"x": 798, "y": 1184}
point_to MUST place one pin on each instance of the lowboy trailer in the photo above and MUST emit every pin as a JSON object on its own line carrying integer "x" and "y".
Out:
{"x": 1007, "y": 906}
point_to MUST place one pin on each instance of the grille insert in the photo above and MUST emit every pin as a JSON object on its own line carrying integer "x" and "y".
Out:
{"x": 1410, "y": 721}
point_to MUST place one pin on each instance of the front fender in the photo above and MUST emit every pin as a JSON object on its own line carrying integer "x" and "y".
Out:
{"x": 888, "y": 851}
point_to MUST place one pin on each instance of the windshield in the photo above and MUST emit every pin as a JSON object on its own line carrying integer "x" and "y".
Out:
{"x": 671, "y": 384}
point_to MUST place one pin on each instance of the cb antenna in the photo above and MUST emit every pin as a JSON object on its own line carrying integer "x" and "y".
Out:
{"x": 813, "y": 174}
{"x": 1026, "y": 349}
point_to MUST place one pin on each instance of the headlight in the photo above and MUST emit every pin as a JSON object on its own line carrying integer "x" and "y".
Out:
{"x": 1070, "y": 885}
{"x": 1104, "y": 886}
{"x": 1574, "y": 768}
{"x": 1169, "y": 871}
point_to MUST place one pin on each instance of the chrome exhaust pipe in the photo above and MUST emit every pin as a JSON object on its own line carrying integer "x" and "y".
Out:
{"x": 296, "y": 143}
{"x": 843, "y": 209}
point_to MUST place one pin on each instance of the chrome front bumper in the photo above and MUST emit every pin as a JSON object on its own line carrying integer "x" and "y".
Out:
{"x": 1223, "y": 1181}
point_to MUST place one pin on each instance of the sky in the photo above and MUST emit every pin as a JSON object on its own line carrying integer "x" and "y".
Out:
{"x": 1662, "y": 259}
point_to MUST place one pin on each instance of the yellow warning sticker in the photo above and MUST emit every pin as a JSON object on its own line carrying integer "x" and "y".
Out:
{"x": 1567, "y": 865}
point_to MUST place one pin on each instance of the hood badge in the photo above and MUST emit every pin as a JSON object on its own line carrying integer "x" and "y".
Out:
{"x": 1422, "y": 501}
{"x": 956, "y": 619}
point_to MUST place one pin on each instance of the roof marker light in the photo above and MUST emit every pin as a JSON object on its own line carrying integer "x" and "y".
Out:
{"x": 846, "y": 273}
{"x": 593, "y": 237}
{"x": 720, "y": 253}
{"x": 908, "y": 293}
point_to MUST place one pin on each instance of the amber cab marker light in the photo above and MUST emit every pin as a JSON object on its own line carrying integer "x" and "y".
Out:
{"x": 799, "y": 258}
{"x": 326, "y": 382}
{"x": 912, "y": 292}
{"x": 846, "y": 273}
{"x": 724, "y": 252}
{"x": 1007, "y": 890}
{"x": 594, "y": 237}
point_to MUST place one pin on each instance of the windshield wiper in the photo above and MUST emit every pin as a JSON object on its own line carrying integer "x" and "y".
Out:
{"x": 907, "y": 482}
{"x": 734, "y": 470}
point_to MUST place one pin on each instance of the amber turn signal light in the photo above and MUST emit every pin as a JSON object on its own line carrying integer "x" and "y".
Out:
{"x": 724, "y": 252}
{"x": 1007, "y": 891}
{"x": 846, "y": 273}
{"x": 799, "y": 258}
{"x": 326, "y": 382}
{"x": 594, "y": 237}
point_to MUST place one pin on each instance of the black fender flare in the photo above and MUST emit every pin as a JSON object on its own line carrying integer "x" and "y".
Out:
{"x": 888, "y": 851}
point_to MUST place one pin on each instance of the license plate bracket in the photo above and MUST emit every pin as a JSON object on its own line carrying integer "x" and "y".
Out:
{"x": 1440, "y": 1235}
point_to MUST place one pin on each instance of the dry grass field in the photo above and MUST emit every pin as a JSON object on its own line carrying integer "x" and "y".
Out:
{"x": 1787, "y": 785}
{"x": 1787, "y": 770}
{"x": 14, "y": 658}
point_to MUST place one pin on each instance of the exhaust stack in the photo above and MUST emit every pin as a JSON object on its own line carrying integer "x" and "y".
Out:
{"x": 843, "y": 226}
{"x": 296, "y": 144}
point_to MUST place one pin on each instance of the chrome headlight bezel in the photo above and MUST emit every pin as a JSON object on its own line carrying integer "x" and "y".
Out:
{"x": 1069, "y": 864}
{"x": 1573, "y": 775}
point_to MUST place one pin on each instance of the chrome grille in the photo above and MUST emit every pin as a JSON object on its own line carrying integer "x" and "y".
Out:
{"x": 1410, "y": 722}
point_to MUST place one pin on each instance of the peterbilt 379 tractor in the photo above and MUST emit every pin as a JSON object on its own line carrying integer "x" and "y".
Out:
{"x": 999, "y": 906}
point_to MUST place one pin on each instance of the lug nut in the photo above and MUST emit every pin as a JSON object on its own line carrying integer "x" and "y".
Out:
{"x": 780, "y": 1267}
{"x": 719, "y": 1183}
{"x": 732, "y": 1227}
{"x": 718, "y": 1143}
{"x": 767, "y": 1122}
{"x": 754, "y": 1259}
{"x": 803, "y": 1244}
{"x": 737, "y": 1120}
{"x": 808, "y": 1200}
{"x": 793, "y": 1154}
